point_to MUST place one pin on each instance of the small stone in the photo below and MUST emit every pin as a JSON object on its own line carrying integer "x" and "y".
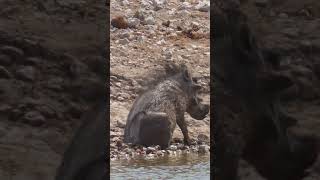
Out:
{"x": 119, "y": 22}
{"x": 13, "y": 52}
{"x": 123, "y": 41}
{"x": 203, "y": 138}
{"x": 120, "y": 124}
{"x": 4, "y": 73}
{"x": 5, "y": 60}
{"x": 150, "y": 150}
{"x": 119, "y": 143}
{"x": 124, "y": 2}
{"x": 173, "y": 148}
{"x": 149, "y": 21}
{"x": 203, "y": 6}
{"x": 34, "y": 118}
{"x": 32, "y": 61}
{"x": 184, "y": 6}
{"x": 166, "y": 23}
{"x": 26, "y": 73}
{"x": 203, "y": 148}
{"x": 283, "y": 15}
{"x": 133, "y": 22}
{"x": 5, "y": 107}
{"x": 139, "y": 15}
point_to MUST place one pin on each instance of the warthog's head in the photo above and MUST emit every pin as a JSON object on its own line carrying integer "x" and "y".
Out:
{"x": 195, "y": 108}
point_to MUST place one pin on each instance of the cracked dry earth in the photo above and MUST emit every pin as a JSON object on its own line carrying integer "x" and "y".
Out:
{"x": 140, "y": 49}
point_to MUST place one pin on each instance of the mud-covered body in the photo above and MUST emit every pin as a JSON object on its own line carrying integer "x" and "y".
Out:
{"x": 155, "y": 113}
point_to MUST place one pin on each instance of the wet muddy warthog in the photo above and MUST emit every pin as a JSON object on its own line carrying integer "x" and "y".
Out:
{"x": 86, "y": 156}
{"x": 249, "y": 121}
{"x": 154, "y": 114}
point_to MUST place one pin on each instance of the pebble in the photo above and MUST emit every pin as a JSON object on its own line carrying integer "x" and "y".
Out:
{"x": 124, "y": 41}
{"x": 139, "y": 15}
{"x": 203, "y": 6}
{"x": 283, "y": 15}
{"x": 13, "y": 52}
{"x": 204, "y": 148}
{"x": 150, "y": 150}
{"x": 119, "y": 22}
{"x": 133, "y": 22}
{"x": 149, "y": 20}
{"x": 4, "y": 73}
{"x": 34, "y": 118}
{"x": 184, "y": 6}
{"x": 26, "y": 73}
{"x": 173, "y": 147}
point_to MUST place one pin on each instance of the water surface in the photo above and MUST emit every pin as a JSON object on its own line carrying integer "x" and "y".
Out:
{"x": 185, "y": 166}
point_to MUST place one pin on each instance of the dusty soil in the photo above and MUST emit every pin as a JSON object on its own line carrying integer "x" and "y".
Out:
{"x": 138, "y": 51}
{"x": 291, "y": 29}
{"x": 44, "y": 58}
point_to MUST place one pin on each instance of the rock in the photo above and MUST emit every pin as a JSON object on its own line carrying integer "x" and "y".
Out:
{"x": 166, "y": 23}
{"x": 27, "y": 73}
{"x": 139, "y": 15}
{"x": 301, "y": 71}
{"x": 203, "y": 148}
{"x": 119, "y": 143}
{"x": 32, "y": 61}
{"x": 203, "y": 6}
{"x": 5, "y": 60}
{"x": 124, "y": 35}
{"x": 261, "y": 3}
{"x": 283, "y": 15}
{"x": 34, "y": 118}
{"x": 119, "y": 22}
{"x": 13, "y": 52}
{"x": 184, "y": 6}
{"x": 5, "y": 107}
{"x": 133, "y": 22}
{"x": 120, "y": 124}
{"x": 149, "y": 21}
{"x": 203, "y": 138}
{"x": 55, "y": 83}
{"x": 124, "y": 41}
{"x": 158, "y": 4}
{"x": 291, "y": 32}
{"x": 150, "y": 150}
{"x": 4, "y": 73}
{"x": 124, "y": 2}
{"x": 173, "y": 148}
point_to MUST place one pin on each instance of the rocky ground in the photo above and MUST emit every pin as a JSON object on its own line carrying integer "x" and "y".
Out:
{"x": 291, "y": 29}
{"x": 46, "y": 63}
{"x": 145, "y": 34}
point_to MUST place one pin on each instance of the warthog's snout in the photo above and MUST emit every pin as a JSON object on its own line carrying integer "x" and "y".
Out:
{"x": 200, "y": 111}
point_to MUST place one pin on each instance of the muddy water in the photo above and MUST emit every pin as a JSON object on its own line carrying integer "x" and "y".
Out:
{"x": 186, "y": 166}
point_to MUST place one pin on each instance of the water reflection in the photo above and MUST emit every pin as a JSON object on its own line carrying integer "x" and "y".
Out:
{"x": 186, "y": 166}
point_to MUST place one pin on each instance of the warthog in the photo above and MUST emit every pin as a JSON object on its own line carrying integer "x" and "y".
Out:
{"x": 86, "y": 156}
{"x": 154, "y": 114}
{"x": 249, "y": 122}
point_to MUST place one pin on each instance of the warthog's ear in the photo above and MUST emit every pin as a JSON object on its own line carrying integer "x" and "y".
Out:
{"x": 274, "y": 82}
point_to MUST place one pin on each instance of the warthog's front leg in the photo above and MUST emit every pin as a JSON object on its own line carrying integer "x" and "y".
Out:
{"x": 183, "y": 126}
